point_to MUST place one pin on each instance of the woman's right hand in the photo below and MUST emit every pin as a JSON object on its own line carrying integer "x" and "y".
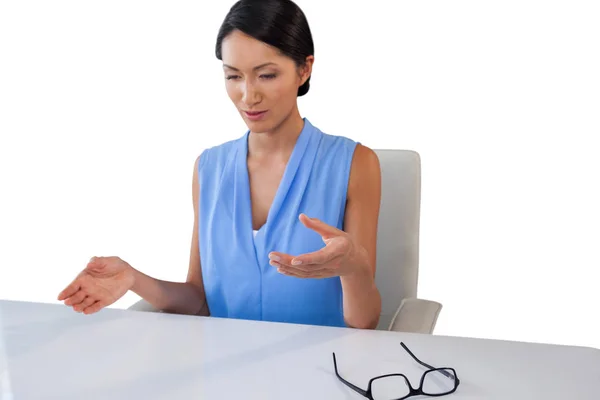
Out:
{"x": 103, "y": 281}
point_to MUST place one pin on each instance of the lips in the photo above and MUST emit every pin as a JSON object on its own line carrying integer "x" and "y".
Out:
{"x": 255, "y": 115}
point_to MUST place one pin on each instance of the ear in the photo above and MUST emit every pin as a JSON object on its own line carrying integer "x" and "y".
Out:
{"x": 305, "y": 71}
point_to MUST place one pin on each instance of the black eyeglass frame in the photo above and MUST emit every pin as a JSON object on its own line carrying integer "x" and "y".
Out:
{"x": 413, "y": 391}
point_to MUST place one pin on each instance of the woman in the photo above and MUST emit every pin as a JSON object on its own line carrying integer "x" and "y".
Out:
{"x": 285, "y": 218}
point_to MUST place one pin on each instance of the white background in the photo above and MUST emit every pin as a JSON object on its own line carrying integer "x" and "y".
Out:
{"x": 104, "y": 107}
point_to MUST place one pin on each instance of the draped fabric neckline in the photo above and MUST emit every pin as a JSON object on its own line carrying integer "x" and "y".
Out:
{"x": 258, "y": 239}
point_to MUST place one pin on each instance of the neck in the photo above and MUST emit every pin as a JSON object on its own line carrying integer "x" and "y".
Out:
{"x": 280, "y": 140}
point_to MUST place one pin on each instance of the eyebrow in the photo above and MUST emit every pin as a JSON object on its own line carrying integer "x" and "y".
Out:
{"x": 254, "y": 69}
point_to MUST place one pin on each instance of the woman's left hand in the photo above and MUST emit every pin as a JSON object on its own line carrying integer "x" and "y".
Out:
{"x": 337, "y": 258}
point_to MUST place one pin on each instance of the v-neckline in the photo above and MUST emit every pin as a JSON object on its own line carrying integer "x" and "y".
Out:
{"x": 284, "y": 184}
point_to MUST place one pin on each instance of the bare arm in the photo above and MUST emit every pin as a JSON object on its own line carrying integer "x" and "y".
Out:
{"x": 178, "y": 297}
{"x": 362, "y": 300}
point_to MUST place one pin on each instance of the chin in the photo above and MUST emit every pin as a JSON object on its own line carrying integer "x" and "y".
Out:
{"x": 259, "y": 126}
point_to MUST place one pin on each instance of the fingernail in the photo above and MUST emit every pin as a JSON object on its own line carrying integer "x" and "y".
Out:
{"x": 274, "y": 257}
{"x": 296, "y": 262}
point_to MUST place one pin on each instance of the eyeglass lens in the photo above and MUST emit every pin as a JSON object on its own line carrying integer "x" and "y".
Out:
{"x": 435, "y": 383}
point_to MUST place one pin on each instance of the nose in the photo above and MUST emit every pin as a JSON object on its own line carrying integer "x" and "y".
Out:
{"x": 250, "y": 94}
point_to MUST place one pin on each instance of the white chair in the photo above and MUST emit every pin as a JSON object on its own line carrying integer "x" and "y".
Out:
{"x": 397, "y": 247}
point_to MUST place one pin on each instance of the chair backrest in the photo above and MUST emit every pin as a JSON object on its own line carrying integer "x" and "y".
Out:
{"x": 398, "y": 230}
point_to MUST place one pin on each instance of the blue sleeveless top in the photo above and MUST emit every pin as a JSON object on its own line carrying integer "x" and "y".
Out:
{"x": 238, "y": 280}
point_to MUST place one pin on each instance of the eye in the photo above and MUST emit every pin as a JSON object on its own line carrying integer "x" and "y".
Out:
{"x": 230, "y": 77}
{"x": 268, "y": 76}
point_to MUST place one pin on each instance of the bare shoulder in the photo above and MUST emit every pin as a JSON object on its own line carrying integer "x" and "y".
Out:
{"x": 365, "y": 171}
{"x": 364, "y": 188}
{"x": 363, "y": 200}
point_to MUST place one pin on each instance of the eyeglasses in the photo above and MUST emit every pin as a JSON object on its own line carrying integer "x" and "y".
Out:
{"x": 434, "y": 382}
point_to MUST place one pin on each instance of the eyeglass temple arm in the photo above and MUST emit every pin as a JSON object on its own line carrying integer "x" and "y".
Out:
{"x": 442, "y": 371}
{"x": 354, "y": 387}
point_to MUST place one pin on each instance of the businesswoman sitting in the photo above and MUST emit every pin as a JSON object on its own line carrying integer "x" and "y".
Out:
{"x": 285, "y": 217}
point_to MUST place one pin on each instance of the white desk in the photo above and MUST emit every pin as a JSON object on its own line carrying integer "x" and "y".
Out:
{"x": 47, "y": 351}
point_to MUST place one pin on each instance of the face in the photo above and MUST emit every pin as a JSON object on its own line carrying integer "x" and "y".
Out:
{"x": 262, "y": 83}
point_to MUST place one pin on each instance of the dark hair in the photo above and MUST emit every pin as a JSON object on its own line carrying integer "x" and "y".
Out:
{"x": 279, "y": 23}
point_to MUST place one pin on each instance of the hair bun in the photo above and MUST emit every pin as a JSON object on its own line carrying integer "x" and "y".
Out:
{"x": 302, "y": 90}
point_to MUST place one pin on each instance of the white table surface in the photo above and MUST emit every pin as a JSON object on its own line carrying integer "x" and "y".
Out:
{"x": 47, "y": 351}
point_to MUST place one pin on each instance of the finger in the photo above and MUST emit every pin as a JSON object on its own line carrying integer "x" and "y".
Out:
{"x": 323, "y": 229}
{"x": 94, "y": 308}
{"x": 321, "y": 256}
{"x": 96, "y": 262}
{"x": 301, "y": 268}
{"x": 75, "y": 285}
{"x": 69, "y": 291}
{"x": 76, "y": 298}
{"x": 87, "y": 301}
{"x": 281, "y": 258}
{"x": 302, "y": 274}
